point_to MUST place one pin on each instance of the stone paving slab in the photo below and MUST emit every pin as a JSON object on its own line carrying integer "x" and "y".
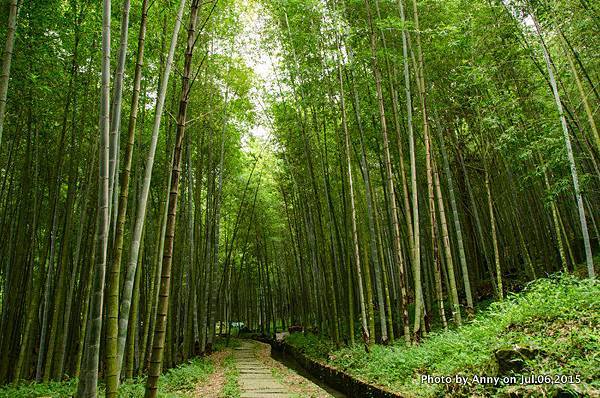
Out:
{"x": 256, "y": 379}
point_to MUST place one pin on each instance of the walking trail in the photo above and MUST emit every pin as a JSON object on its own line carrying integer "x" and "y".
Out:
{"x": 256, "y": 379}
{"x": 255, "y": 375}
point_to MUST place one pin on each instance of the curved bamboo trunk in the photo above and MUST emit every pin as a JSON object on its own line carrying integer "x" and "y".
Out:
{"x": 165, "y": 281}
{"x": 586, "y": 104}
{"x": 143, "y": 198}
{"x": 574, "y": 175}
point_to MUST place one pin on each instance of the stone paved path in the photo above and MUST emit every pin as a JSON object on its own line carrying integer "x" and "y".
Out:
{"x": 256, "y": 379}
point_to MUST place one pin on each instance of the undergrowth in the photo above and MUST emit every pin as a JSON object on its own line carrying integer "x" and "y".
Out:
{"x": 185, "y": 377}
{"x": 231, "y": 388}
{"x": 177, "y": 382}
{"x": 222, "y": 343}
{"x": 558, "y": 317}
{"x": 50, "y": 389}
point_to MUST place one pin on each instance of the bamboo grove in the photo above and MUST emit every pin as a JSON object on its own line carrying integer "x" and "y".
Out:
{"x": 420, "y": 156}
{"x": 432, "y": 161}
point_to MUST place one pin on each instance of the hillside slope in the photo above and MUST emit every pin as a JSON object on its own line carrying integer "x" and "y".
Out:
{"x": 543, "y": 341}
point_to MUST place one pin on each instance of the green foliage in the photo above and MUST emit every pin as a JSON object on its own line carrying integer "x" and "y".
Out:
{"x": 52, "y": 389}
{"x": 186, "y": 376}
{"x": 311, "y": 345}
{"x": 231, "y": 389}
{"x": 174, "y": 383}
{"x": 136, "y": 388}
{"x": 558, "y": 316}
{"x": 222, "y": 342}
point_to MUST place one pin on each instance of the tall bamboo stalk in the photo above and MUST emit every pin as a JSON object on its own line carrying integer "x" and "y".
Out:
{"x": 574, "y": 175}
{"x": 7, "y": 59}
{"x": 143, "y": 198}
{"x": 160, "y": 328}
{"x": 87, "y": 386}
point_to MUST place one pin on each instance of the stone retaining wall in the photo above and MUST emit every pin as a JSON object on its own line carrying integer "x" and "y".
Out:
{"x": 337, "y": 379}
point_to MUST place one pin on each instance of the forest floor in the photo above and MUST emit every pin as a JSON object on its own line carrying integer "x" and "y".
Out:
{"x": 180, "y": 382}
{"x": 544, "y": 341}
{"x": 241, "y": 369}
{"x": 208, "y": 377}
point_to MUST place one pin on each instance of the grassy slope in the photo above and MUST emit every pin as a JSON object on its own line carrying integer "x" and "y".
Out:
{"x": 559, "y": 316}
